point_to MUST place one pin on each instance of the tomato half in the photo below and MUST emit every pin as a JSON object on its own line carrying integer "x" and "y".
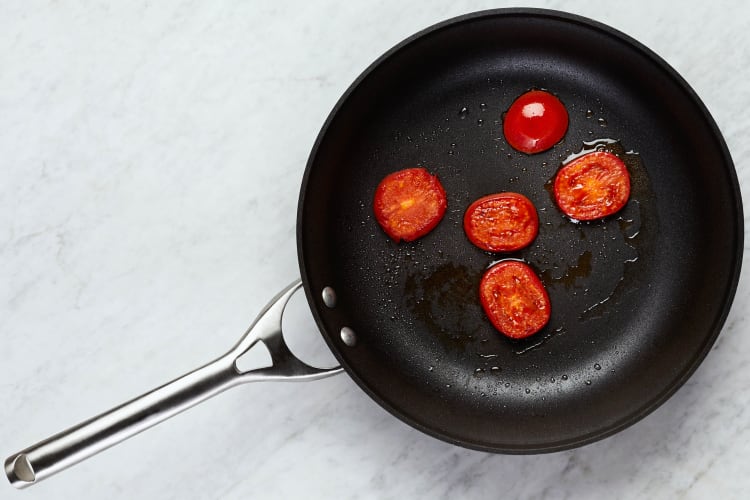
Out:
{"x": 514, "y": 299}
{"x": 535, "y": 122}
{"x": 409, "y": 204}
{"x": 592, "y": 186}
{"x": 502, "y": 222}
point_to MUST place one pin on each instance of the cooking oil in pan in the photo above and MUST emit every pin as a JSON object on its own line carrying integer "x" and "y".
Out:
{"x": 581, "y": 269}
{"x": 445, "y": 300}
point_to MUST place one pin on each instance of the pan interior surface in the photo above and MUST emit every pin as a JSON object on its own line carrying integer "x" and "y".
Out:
{"x": 637, "y": 298}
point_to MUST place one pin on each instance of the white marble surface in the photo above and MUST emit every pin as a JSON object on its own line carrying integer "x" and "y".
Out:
{"x": 151, "y": 159}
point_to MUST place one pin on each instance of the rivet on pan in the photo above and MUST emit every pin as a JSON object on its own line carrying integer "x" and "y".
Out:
{"x": 329, "y": 297}
{"x": 348, "y": 336}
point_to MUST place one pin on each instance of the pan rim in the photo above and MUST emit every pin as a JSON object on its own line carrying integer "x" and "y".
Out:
{"x": 691, "y": 365}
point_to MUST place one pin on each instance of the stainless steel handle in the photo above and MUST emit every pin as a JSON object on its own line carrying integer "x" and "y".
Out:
{"x": 73, "y": 445}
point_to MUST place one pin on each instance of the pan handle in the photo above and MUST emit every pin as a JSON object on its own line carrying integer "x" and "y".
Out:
{"x": 73, "y": 445}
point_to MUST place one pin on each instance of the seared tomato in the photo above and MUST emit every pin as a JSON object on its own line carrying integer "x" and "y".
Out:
{"x": 535, "y": 122}
{"x": 409, "y": 204}
{"x": 514, "y": 299}
{"x": 502, "y": 222}
{"x": 592, "y": 186}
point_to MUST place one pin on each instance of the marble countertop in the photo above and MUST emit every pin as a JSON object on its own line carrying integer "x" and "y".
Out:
{"x": 151, "y": 159}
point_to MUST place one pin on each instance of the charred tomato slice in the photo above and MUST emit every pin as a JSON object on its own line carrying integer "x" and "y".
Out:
{"x": 409, "y": 204}
{"x": 592, "y": 186}
{"x": 501, "y": 222}
{"x": 514, "y": 299}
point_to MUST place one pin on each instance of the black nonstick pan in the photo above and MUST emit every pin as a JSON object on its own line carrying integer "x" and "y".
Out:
{"x": 637, "y": 298}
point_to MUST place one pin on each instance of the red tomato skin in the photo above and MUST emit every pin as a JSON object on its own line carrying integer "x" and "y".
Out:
{"x": 592, "y": 186}
{"x": 409, "y": 204}
{"x": 536, "y": 121}
{"x": 514, "y": 299}
{"x": 501, "y": 222}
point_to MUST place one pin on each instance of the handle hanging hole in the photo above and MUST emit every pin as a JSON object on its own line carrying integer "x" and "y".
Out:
{"x": 255, "y": 358}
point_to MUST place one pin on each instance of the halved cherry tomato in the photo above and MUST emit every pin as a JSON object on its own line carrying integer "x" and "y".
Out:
{"x": 409, "y": 204}
{"x": 592, "y": 186}
{"x": 502, "y": 222}
{"x": 535, "y": 122}
{"x": 514, "y": 299}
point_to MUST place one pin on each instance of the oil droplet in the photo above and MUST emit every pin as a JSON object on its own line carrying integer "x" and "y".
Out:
{"x": 565, "y": 377}
{"x": 589, "y": 113}
{"x": 448, "y": 386}
{"x": 602, "y": 122}
{"x": 528, "y": 391}
{"x": 463, "y": 113}
{"x": 597, "y": 366}
{"x": 582, "y": 269}
{"x": 552, "y": 380}
{"x": 430, "y": 368}
{"x": 479, "y": 370}
{"x": 495, "y": 369}
{"x": 483, "y": 107}
{"x": 480, "y": 122}
{"x": 588, "y": 382}
{"x": 507, "y": 384}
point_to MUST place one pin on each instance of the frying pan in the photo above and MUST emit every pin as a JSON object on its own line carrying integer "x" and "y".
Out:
{"x": 637, "y": 298}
